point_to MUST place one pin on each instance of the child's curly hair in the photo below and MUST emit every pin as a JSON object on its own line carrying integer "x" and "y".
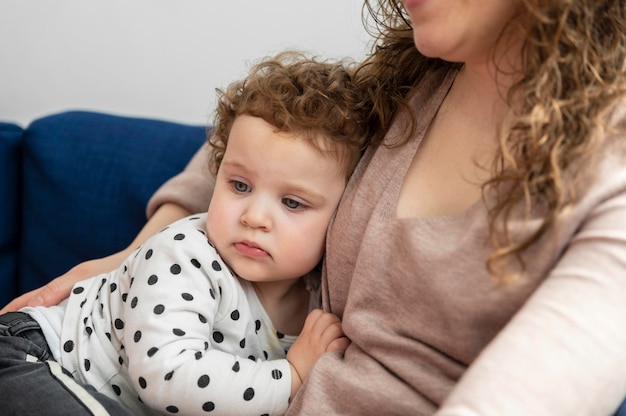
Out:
{"x": 315, "y": 100}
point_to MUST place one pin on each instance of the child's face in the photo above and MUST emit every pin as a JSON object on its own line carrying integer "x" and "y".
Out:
{"x": 274, "y": 197}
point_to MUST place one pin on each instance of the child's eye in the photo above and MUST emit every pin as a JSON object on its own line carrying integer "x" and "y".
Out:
{"x": 293, "y": 204}
{"x": 240, "y": 186}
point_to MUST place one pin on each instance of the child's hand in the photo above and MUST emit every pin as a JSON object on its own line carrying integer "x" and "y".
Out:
{"x": 321, "y": 333}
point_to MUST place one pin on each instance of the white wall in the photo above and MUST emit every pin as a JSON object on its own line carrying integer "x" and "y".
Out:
{"x": 154, "y": 58}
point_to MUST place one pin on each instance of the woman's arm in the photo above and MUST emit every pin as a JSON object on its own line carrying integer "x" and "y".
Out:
{"x": 564, "y": 352}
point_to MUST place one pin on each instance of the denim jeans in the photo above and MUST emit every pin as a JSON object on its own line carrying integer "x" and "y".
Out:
{"x": 32, "y": 383}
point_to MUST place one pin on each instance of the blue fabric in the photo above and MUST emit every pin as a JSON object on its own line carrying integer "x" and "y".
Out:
{"x": 87, "y": 178}
{"x": 10, "y": 185}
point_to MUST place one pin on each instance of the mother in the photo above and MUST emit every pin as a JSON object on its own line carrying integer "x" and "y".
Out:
{"x": 478, "y": 257}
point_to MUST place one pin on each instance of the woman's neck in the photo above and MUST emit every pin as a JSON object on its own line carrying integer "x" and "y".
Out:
{"x": 481, "y": 94}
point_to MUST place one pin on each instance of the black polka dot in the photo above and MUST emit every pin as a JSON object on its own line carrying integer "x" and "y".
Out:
{"x": 179, "y": 237}
{"x": 78, "y": 290}
{"x": 142, "y": 383}
{"x": 202, "y": 318}
{"x": 175, "y": 269}
{"x": 248, "y": 394}
{"x": 265, "y": 355}
{"x": 119, "y": 324}
{"x": 178, "y": 332}
{"x": 159, "y": 309}
{"x": 172, "y": 409}
{"x": 137, "y": 336}
{"x": 251, "y": 357}
{"x": 218, "y": 337}
{"x": 116, "y": 389}
{"x": 257, "y": 325}
{"x": 216, "y": 266}
{"x": 277, "y": 374}
{"x": 203, "y": 381}
{"x": 68, "y": 346}
{"x": 234, "y": 315}
{"x": 198, "y": 355}
{"x": 280, "y": 335}
{"x": 148, "y": 254}
{"x": 113, "y": 287}
{"x": 152, "y": 351}
{"x": 88, "y": 330}
{"x": 120, "y": 360}
{"x": 236, "y": 367}
{"x": 169, "y": 376}
{"x": 212, "y": 293}
{"x": 208, "y": 406}
{"x": 187, "y": 296}
{"x": 152, "y": 279}
{"x": 196, "y": 263}
{"x": 133, "y": 303}
{"x": 242, "y": 343}
{"x": 124, "y": 297}
{"x": 87, "y": 364}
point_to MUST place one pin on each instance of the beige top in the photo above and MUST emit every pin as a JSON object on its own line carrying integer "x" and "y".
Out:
{"x": 419, "y": 306}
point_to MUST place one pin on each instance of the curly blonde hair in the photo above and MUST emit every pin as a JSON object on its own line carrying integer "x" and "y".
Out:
{"x": 573, "y": 76}
{"x": 313, "y": 99}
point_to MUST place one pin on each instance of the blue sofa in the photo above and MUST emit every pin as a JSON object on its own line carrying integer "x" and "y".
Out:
{"x": 75, "y": 186}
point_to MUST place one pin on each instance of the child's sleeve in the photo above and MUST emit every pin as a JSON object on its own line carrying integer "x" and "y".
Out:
{"x": 176, "y": 356}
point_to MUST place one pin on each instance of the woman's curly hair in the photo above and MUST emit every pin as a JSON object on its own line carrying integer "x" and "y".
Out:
{"x": 573, "y": 76}
{"x": 313, "y": 99}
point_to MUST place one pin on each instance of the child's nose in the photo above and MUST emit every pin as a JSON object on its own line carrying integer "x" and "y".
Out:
{"x": 256, "y": 215}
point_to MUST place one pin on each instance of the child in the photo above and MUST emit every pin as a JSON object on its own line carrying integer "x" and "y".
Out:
{"x": 203, "y": 316}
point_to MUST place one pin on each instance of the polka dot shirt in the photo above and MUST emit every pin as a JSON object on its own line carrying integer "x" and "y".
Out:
{"x": 174, "y": 331}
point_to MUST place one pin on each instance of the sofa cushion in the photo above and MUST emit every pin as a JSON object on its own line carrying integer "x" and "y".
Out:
{"x": 10, "y": 166}
{"x": 87, "y": 178}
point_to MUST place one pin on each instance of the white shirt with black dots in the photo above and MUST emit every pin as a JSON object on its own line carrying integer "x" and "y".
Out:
{"x": 174, "y": 330}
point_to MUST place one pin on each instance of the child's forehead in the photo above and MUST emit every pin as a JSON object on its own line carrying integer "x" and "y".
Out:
{"x": 255, "y": 132}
